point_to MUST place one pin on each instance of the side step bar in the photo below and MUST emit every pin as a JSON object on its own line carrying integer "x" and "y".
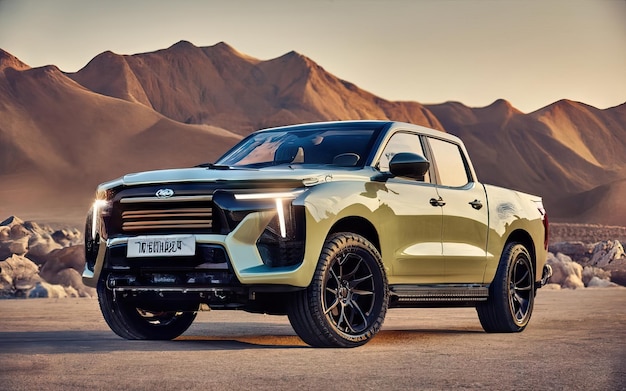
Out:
{"x": 439, "y": 295}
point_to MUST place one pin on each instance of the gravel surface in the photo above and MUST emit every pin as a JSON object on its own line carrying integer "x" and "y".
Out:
{"x": 576, "y": 340}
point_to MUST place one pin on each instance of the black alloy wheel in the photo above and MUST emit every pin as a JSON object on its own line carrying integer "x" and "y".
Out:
{"x": 511, "y": 294}
{"x": 346, "y": 303}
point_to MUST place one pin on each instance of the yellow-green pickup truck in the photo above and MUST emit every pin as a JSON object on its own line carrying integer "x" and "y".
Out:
{"x": 328, "y": 223}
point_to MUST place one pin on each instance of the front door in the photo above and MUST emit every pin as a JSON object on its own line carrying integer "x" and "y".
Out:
{"x": 410, "y": 223}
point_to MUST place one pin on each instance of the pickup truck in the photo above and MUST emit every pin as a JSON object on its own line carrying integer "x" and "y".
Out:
{"x": 328, "y": 223}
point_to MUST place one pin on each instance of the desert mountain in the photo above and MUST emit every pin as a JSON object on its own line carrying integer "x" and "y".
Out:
{"x": 58, "y": 140}
{"x": 219, "y": 86}
{"x": 564, "y": 148}
{"x": 62, "y": 133}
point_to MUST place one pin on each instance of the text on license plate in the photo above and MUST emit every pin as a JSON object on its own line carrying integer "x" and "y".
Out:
{"x": 161, "y": 246}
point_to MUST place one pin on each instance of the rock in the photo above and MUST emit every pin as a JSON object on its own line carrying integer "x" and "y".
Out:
{"x": 64, "y": 267}
{"x": 40, "y": 261}
{"x": 18, "y": 275}
{"x": 11, "y": 221}
{"x": 20, "y": 278}
{"x": 606, "y": 252}
{"x": 40, "y": 246}
{"x": 13, "y": 238}
{"x": 618, "y": 271}
{"x": 565, "y": 272}
{"x": 606, "y": 258}
{"x": 45, "y": 290}
{"x": 590, "y": 272}
{"x": 578, "y": 251}
{"x": 67, "y": 237}
{"x": 596, "y": 282}
{"x": 64, "y": 258}
{"x": 33, "y": 240}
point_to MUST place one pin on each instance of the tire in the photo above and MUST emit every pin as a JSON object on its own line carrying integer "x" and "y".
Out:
{"x": 130, "y": 322}
{"x": 346, "y": 302}
{"x": 511, "y": 294}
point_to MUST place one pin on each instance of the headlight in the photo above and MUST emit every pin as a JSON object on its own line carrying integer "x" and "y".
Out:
{"x": 93, "y": 229}
{"x": 278, "y": 199}
{"x": 281, "y": 243}
{"x": 97, "y": 208}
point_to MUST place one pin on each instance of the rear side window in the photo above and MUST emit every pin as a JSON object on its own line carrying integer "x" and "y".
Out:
{"x": 450, "y": 163}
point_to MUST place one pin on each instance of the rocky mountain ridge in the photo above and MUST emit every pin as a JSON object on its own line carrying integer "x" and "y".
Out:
{"x": 63, "y": 133}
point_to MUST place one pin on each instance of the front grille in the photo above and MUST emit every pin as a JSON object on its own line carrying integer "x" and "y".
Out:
{"x": 167, "y": 218}
{"x": 149, "y": 218}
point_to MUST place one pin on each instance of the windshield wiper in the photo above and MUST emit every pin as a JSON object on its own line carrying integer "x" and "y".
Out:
{"x": 213, "y": 166}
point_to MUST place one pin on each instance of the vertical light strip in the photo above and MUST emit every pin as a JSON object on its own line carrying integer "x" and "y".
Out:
{"x": 97, "y": 205}
{"x": 93, "y": 219}
{"x": 281, "y": 217}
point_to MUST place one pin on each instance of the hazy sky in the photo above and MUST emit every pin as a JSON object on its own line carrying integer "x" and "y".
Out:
{"x": 530, "y": 52}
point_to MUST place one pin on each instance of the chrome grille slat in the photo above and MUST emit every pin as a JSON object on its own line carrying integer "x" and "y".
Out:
{"x": 136, "y": 200}
{"x": 167, "y": 226}
{"x": 167, "y": 217}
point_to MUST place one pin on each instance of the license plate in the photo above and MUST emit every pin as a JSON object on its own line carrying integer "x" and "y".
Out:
{"x": 161, "y": 246}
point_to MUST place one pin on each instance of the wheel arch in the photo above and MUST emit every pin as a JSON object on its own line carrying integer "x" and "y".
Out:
{"x": 358, "y": 225}
{"x": 522, "y": 237}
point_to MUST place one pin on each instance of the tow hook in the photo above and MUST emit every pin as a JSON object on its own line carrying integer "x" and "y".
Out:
{"x": 547, "y": 273}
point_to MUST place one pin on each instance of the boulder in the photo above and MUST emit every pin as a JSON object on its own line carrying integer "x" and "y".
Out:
{"x": 40, "y": 245}
{"x": 578, "y": 251}
{"x": 617, "y": 268}
{"x": 565, "y": 272}
{"x": 64, "y": 267}
{"x": 18, "y": 275}
{"x": 45, "y": 290}
{"x": 13, "y": 237}
{"x": 596, "y": 282}
{"x": 591, "y": 272}
{"x": 606, "y": 252}
{"x": 40, "y": 261}
{"x": 68, "y": 237}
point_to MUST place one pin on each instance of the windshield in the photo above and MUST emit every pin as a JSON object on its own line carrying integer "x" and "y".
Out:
{"x": 340, "y": 147}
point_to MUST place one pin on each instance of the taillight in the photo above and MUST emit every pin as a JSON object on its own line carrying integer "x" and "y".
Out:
{"x": 546, "y": 227}
{"x": 546, "y": 224}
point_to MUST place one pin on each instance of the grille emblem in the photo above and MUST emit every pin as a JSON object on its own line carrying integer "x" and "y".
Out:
{"x": 164, "y": 193}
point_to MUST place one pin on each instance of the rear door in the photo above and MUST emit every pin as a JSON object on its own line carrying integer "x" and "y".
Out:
{"x": 465, "y": 213}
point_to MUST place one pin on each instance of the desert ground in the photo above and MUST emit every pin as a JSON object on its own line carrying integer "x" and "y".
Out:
{"x": 575, "y": 341}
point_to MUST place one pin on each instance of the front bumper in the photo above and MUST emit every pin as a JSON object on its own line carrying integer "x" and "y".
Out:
{"x": 242, "y": 258}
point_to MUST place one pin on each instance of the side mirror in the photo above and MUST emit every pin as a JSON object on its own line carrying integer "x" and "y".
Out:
{"x": 411, "y": 165}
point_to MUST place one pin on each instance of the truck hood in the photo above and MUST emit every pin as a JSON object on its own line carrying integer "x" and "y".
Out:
{"x": 305, "y": 176}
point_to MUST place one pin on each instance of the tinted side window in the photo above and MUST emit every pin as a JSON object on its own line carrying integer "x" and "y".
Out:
{"x": 401, "y": 142}
{"x": 450, "y": 163}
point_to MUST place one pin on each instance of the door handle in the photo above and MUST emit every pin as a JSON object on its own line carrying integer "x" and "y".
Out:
{"x": 437, "y": 202}
{"x": 476, "y": 204}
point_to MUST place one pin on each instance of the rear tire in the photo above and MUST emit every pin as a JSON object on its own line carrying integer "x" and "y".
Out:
{"x": 131, "y": 322}
{"x": 511, "y": 294}
{"x": 346, "y": 302}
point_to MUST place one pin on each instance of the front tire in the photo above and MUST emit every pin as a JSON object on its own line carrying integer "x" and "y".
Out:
{"x": 511, "y": 294}
{"x": 346, "y": 302}
{"x": 132, "y": 322}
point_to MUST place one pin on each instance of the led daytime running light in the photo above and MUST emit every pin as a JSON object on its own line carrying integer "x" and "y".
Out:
{"x": 265, "y": 196}
{"x": 281, "y": 218}
{"x": 278, "y": 198}
{"x": 98, "y": 205}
